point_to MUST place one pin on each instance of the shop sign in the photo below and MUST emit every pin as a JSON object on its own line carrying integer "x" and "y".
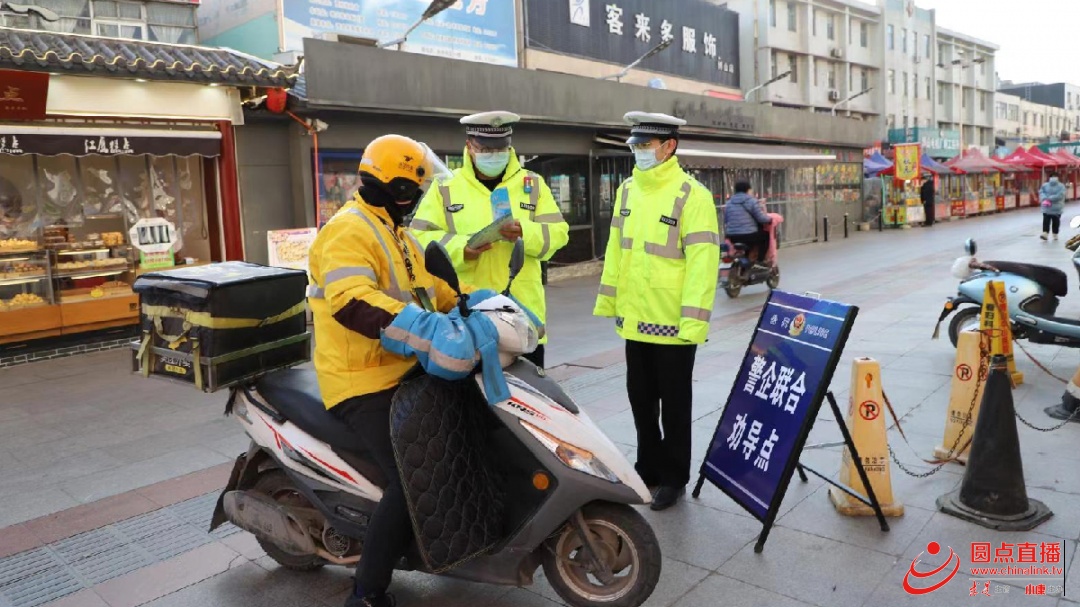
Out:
{"x": 472, "y": 30}
{"x": 704, "y": 37}
{"x": 153, "y": 235}
{"x": 1073, "y": 147}
{"x": 157, "y": 261}
{"x": 937, "y": 143}
{"x": 289, "y": 248}
{"x": 23, "y": 95}
{"x": 907, "y": 161}
{"x": 16, "y": 142}
{"x": 700, "y": 114}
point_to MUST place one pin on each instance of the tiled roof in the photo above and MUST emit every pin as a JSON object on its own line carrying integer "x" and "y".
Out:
{"x": 77, "y": 54}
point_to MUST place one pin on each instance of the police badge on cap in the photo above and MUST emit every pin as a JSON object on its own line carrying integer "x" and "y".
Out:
{"x": 646, "y": 126}
{"x": 491, "y": 129}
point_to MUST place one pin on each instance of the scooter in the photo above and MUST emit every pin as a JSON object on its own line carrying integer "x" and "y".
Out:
{"x": 1033, "y": 293}
{"x": 739, "y": 269}
{"x": 307, "y": 495}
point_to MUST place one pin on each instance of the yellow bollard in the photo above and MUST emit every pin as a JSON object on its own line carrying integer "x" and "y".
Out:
{"x": 967, "y": 388}
{"x": 994, "y": 319}
{"x": 866, "y": 421}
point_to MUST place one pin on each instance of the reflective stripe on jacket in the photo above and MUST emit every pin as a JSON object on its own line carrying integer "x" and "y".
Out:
{"x": 455, "y": 209}
{"x": 358, "y": 268}
{"x": 663, "y": 253}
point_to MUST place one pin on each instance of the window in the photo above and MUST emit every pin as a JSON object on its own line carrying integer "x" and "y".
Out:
{"x": 905, "y": 122}
{"x": 772, "y": 13}
{"x": 817, "y": 69}
{"x": 963, "y": 97}
{"x": 775, "y": 64}
{"x": 864, "y": 33}
{"x": 171, "y": 23}
{"x": 928, "y": 89}
{"x": 892, "y": 82}
{"x": 915, "y": 86}
{"x": 941, "y": 53}
{"x": 793, "y": 65}
{"x": 1000, "y": 110}
{"x": 813, "y": 23}
{"x": 830, "y": 26}
{"x": 906, "y": 93}
{"x": 864, "y": 80}
{"x": 1025, "y": 118}
{"x": 903, "y": 40}
{"x": 832, "y": 76}
{"x": 982, "y": 68}
{"x": 1014, "y": 113}
{"x": 982, "y": 102}
{"x": 890, "y": 43}
{"x": 792, "y": 17}
{"x": 940, "y": 94}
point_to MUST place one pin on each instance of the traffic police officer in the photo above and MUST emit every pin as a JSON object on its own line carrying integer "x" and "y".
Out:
{"x": 659, "y": 283}
{"x": 462, "y": 205}
{"x": 368, "y": 274}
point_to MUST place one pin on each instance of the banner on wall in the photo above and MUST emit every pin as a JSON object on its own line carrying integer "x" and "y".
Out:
{"x": 472, "y": 30}
{"x": 907, "y": 161}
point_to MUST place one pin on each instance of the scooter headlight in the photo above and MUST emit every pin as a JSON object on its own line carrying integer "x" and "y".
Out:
{"x": 572, "y": 456}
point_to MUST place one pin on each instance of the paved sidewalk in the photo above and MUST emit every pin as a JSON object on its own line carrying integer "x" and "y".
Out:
{"x": 129, "y": 467}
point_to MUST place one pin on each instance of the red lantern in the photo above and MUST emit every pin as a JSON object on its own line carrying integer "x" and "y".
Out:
{"x": 276, "y": 100}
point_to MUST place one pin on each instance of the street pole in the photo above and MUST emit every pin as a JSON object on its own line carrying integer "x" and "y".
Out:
{"x": 859, "y": 94}
{"x": 654, "y": 50}
{"x": 778, "y": 78}
{"x": 436, "y": 7}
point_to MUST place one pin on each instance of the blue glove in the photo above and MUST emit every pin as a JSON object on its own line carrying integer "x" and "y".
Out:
{"x": 442, "y": 343}
{"x": 486, "y": 339}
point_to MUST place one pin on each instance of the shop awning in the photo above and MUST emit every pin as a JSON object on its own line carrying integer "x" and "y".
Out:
{"x": 72, "y": 141}
{"x": 875, "y": 164}
{"x": 699, "y": 154}
{"x": 933, "y": 166}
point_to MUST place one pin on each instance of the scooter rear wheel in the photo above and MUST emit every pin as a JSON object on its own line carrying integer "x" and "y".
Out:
{"x": 275, "y": 484}
{"x": 773, "y": 281}
{"x": 734, "y": 285}
{"x": 963, "y": 319}
{"x": 627, "y": 546}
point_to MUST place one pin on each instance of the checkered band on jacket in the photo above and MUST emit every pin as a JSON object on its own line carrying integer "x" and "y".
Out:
{"x": 618, "y": 322}
{"x": 648, "y": 328}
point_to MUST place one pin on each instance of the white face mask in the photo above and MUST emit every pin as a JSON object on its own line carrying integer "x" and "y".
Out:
{"x": 645, "y": 159}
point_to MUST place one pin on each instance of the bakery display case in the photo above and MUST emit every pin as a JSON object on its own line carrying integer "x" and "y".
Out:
{"x": 27, "y": 305}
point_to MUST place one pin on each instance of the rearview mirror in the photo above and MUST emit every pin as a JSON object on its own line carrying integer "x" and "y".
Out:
{"x": 1075, "y": 223}
{"x": 970, "y": 247}
{"x": 438, "y": 264}
{"x": 517, "y": 261}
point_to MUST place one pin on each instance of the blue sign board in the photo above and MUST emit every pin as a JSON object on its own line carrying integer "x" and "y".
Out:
{"x": 472, "y": 30}
{"x": 776, "y": 396}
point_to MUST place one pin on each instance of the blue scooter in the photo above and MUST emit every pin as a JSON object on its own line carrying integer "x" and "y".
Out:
{"x": 1033, "y": 293}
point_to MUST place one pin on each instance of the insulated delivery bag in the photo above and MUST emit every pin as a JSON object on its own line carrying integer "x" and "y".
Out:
{"x": 221, "y": 324}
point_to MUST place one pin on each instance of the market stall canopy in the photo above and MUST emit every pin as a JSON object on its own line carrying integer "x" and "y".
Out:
{"x": 973, "y": 161}
{"x": 1051, "y": 160}
{"x": 73, "y": 53}
{"x": 701, "y": 154}
{"x": 1022, "y": 158}
{"x": 1068, "y": 156}
{"x": 69, "y": 141}
{"x": 876, "y": 163}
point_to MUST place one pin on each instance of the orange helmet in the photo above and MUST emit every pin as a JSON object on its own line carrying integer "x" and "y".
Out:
{"x": 402, "y": 165}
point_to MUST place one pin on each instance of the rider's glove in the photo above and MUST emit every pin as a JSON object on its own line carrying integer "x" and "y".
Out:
{"x": 442, "y": 343}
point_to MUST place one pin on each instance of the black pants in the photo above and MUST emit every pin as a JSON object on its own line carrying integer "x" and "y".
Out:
{"x": 536, "y": 357}
{"x": 930, "y": 210}
{"x": 389, "y": 533}
{"x": 1051, "y": 223}
{"x": 659, "y": 380}
{"x": 758, "y": 243}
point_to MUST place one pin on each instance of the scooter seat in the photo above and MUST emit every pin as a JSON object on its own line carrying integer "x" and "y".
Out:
{"x": 295, "y": 394}
{"x": 1051, "y": 279}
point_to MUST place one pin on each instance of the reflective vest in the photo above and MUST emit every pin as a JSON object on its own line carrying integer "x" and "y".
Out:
{"x": 358, "y": 260}
{"x": 460, "y": 206}
{"x": 663, "y": 254}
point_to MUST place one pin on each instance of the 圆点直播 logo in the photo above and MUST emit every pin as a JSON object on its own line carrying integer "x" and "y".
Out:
{"x": 942, "y": 574}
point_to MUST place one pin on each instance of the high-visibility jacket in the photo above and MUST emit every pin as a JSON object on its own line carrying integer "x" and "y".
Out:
{"x": 456, "y": 208}
{"x": 360, "y": 282}
{"x": 663, "y": 254}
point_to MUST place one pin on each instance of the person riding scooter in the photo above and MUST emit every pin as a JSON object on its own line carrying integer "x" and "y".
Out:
{"x": 745, "y": 221}
{"x": 368, "y": 276}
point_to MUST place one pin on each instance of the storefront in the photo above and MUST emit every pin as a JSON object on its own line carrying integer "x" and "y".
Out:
{"x": 104, "y": 178}
{"x": 572, "y": 134}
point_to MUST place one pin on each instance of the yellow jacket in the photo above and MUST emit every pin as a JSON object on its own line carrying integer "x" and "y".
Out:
{"x": 360, "y": 283}
{"x": 455, "y": 209}
{"x": 663, "y": 254}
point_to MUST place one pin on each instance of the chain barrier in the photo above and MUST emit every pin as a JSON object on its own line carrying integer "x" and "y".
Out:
{"x": 1051, "y": 374}
{"x": 983, "y": 372}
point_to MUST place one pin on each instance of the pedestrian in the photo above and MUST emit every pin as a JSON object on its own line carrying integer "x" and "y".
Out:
{"x": 745, "y": 221}
{"x": 926, "y": 193}
{"x": 462, "y": 205}
{"x": 359, "y": 263}
{"x": 1052, "y": 199}
{"x": 659, "y": 283}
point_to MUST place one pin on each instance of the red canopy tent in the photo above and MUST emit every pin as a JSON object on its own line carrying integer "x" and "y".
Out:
{"x": 1072, "y": 159}
{"x": 1071, "y": 169}
{"x": 1051, "y": 159}
{"x": 1023, "y": 158}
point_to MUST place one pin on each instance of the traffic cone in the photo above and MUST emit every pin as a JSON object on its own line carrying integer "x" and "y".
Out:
{"x": 1070, "y": 401}
{"x": 994, "y": 319}
{"x": 992, "y": 493}
{"x": 867, "y": 426}
{"x": 967, "y": 387}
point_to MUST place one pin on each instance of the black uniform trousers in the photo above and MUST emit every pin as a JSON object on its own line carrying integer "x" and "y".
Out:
{"x": 536, "y": 357}
{"x": 659, "y": 381}
{"x": 389, "y": 533}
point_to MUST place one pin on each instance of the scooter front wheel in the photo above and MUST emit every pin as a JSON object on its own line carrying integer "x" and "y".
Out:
{"x": 276, "y": 485}
{"x": 629, "y": 559}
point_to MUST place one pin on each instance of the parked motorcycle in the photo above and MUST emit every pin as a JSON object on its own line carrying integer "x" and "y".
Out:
{"x": 739, "y": 269}
{"x": 1033, "y": 293}
{"x": 307, "y": 495}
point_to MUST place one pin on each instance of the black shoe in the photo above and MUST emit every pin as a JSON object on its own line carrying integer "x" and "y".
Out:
{"x": 666, "y": 497}
{"x": 371, "y": 600}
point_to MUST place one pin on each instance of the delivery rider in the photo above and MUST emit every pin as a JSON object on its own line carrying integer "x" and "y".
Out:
{"x": 368, "y": 274}
{"x": 658, "y": 283}
{"x": 455, "y": 209}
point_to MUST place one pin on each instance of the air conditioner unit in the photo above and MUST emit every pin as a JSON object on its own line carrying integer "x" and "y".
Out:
{"x": 834, "y": 95}
{"x": 836, "y": 52}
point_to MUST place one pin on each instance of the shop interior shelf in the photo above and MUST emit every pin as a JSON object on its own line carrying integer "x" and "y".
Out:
{"x": 7, "y": 253}
{"x": 23, "y": 280}
{"x": 82, "y": 251}
{"x": 94, "y": 273}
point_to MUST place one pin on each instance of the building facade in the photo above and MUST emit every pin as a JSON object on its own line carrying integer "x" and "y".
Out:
{"x": 966, "y": 81}
{"x": 1018, "y": 121}
{"x": 1060, "y": 95}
